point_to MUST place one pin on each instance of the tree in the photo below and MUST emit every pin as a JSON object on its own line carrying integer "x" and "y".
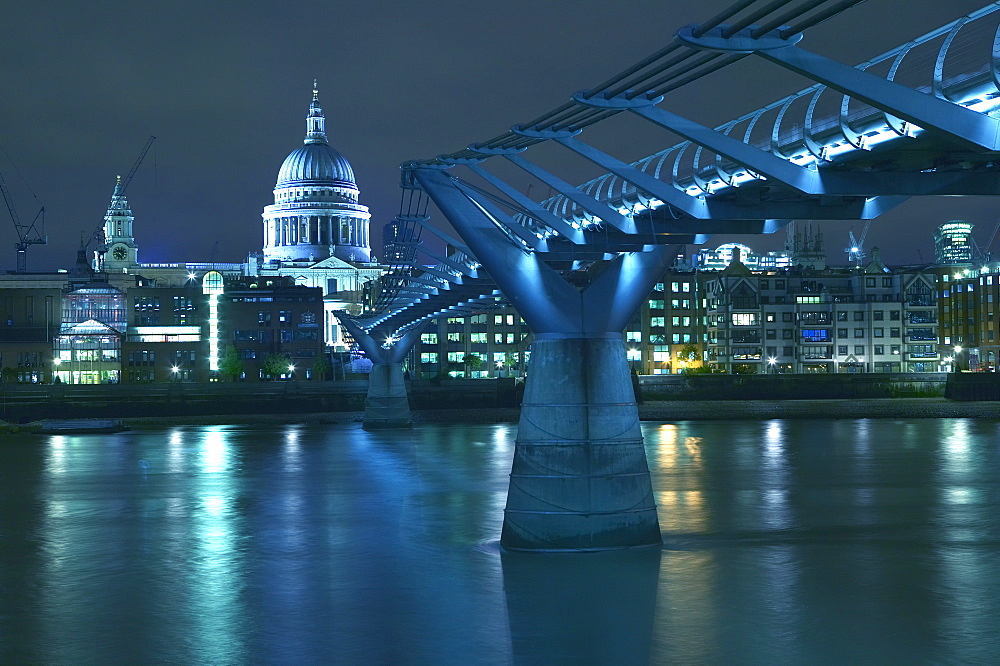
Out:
{"x": 688, "y": 352}
{"x": 275, "y": 365}
{"x": 230, "y": 363}
{"x": 322, "y": 367}
{"x": 472, "y": 361}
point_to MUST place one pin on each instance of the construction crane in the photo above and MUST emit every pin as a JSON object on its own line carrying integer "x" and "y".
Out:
{"x": 988, "y": 248}
{"x": 98, "y": 234}
{"x": 27, "y": 234}
{"x": 855, "y": 252}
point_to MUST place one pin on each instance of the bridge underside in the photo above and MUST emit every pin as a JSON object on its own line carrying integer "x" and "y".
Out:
{"x": 577, "y": 265}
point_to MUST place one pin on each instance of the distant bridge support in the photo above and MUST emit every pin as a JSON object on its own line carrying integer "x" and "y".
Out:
{"x": 579, "y": 479}
{"x": 387, "y": 404}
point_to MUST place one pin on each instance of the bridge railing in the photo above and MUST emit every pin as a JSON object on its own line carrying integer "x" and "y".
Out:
{"x": 691, "y": 170}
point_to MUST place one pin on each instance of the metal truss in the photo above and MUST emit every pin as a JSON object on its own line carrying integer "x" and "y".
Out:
{"x": 889, "y": 141}
{"x": 895, "y": 135}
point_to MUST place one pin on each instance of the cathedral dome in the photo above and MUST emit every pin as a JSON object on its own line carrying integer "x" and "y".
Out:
{"x": 316, "y": 164}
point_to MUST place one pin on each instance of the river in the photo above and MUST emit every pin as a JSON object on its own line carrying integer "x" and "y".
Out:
{"x": 801, "y": 542}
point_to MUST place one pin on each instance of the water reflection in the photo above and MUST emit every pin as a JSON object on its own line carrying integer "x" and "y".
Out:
{"x": 857, "y": 541}
{"x": 604, "y": 603}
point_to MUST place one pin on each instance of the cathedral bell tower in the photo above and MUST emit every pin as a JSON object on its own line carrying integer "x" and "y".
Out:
{"x": 119, "y": 250}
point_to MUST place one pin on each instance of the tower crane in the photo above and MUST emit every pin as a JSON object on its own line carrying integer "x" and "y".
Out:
{"x": 855, "y": 253}
{"x": 98, "y": 234}
{"x": 27, "y": 234}
{"x": 988, "y": 248}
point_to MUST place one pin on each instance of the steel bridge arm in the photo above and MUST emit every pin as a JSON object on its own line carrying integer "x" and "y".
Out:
{"x": 809, "y": 180}
{"x": 531, "y": 207}
{"x": 513, "y": 267}
{"x": 596, "y": 208}
{"x": 503, "y": 221}
{"x": 969, "y": 128}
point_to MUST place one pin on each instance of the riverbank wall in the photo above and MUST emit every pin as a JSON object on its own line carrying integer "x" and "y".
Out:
{"x": 26, "y": 403}
{"x": 796, "y": 387}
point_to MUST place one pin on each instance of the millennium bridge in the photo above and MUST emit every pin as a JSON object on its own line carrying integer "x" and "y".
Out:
{"x": 920, "y": 119}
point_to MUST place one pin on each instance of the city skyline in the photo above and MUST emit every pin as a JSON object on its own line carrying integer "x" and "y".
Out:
{"x": 226, "y": 93}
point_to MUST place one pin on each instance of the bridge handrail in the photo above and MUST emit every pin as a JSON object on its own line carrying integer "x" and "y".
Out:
{"x": 559, "y": 204}
{"x": 721, "y": 173}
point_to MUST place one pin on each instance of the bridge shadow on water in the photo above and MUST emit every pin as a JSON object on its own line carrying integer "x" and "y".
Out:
{"x": 582, "y": 608}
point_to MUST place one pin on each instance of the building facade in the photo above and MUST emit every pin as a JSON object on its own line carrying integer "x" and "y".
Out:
{"x": 967, "y": 308}
{"x": 837, "y": 320}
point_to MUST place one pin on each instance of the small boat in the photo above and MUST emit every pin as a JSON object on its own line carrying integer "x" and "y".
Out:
{"x": 77, "y": 426}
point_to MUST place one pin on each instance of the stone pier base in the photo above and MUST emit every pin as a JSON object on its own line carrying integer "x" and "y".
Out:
{"x": 386, "y": 405}
{"x": 579, "y": 479}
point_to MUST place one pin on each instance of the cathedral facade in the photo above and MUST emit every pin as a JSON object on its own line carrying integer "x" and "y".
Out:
{"x": 316, "y": 232}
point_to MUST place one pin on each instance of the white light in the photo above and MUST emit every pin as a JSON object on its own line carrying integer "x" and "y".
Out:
{"x": 213, "y": 332}
{"x": 958, "y": 349}
{"x": 175, "y": 369}
{"x": 191, "y": 276}
{"x": 772, "y": 360}
{"x": 291, "y": 368}
{"x": 56, "y": 361}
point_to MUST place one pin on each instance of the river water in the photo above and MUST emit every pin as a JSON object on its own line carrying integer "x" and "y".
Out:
{"x": 867, "y": 541}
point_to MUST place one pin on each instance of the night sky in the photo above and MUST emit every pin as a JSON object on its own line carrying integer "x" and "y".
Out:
{"x": 225, "y": 86}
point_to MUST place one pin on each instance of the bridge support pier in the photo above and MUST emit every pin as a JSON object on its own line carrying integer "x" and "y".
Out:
{"x": 387, "y": 404}
{"x": 579, "y": 480}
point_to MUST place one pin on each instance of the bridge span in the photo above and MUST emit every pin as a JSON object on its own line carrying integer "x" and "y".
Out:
{"x": 920, "y": 119}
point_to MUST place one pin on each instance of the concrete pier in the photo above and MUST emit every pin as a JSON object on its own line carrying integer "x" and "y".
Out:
{"x": 386, "y": 405}
{"x": 579, "y": 480}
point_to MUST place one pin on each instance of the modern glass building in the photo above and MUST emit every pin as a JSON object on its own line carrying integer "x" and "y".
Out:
{"x": 953, "y": 243}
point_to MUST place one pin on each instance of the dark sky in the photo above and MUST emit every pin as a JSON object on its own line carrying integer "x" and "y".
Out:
{"x": 224, "y": 86}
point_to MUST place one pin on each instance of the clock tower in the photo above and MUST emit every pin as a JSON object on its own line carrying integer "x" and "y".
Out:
{"x": 119, "y": 251}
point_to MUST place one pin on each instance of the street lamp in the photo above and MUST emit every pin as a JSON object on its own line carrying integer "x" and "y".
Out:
{"x": 958, "y": 363}
{"x": 291, "y": 369}
{"x": 771, "y": 361}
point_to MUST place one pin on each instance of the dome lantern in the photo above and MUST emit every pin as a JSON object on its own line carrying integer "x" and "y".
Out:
{"x": 315, "y": 121}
